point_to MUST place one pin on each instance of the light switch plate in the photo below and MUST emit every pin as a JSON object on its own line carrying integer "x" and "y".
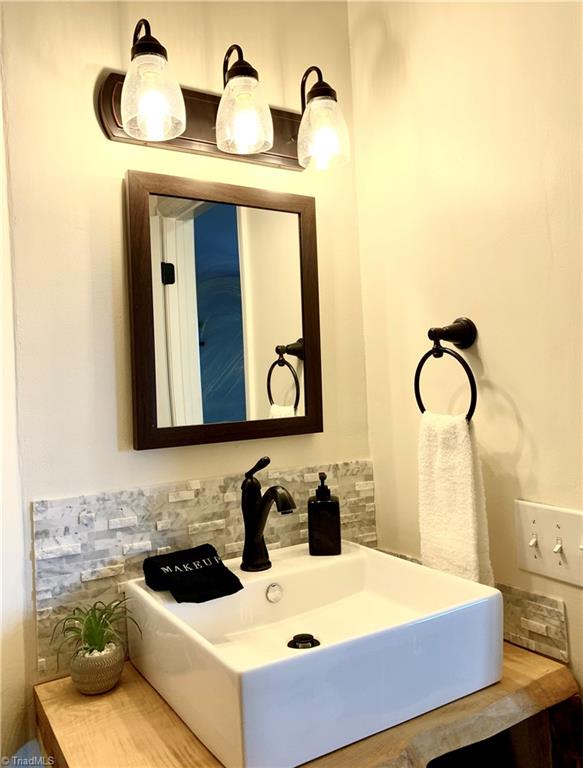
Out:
{"x": 551, "y": 527}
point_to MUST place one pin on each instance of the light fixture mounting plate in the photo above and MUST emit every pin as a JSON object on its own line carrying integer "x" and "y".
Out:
{"x": 199, "y": 136}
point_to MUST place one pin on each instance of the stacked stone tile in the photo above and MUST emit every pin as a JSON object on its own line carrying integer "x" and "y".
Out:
{"x": 84, "y": 547}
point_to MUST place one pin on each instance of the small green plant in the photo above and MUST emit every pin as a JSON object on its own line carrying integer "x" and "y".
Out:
{"x": 91, "y": 629}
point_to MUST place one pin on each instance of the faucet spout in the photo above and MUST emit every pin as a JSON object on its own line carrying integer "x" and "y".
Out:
{"x": 255, "y": 508}
{"x": 281, "y": 497}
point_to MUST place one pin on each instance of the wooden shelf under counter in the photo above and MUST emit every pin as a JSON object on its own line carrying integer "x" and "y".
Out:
{"x": 536, "y": 707}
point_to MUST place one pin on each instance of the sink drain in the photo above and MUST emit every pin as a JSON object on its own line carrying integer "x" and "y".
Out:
{"x": 303, "y": 641}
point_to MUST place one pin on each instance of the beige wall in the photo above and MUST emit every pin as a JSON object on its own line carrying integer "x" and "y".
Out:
{"x": 468, "y": 136}
{"x": 70, "y": 287}
{"x": 15, "y": 570}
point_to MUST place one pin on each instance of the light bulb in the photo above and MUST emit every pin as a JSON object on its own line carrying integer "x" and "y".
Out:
{"x": 152, "y": 105}
{"x": 244, "y": 124}
{"x": 323, "y": 141}
{"x": 247, "y": 127}
{"x": 153, "y": 117}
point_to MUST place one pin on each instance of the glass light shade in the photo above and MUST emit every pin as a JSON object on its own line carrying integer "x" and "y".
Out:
{"x": 244, "y": 124}
{"x": 152, "y": 105}
{"x": 323, "y": 136}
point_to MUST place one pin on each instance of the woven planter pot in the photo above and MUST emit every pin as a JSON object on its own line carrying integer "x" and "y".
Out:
{"x": 99, "y": 673}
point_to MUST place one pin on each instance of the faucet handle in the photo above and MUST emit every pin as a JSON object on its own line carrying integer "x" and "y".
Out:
{"x": 261, "y": 464}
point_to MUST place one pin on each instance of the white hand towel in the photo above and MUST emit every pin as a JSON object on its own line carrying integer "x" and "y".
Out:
{"x": 281, "y": 411}
{"x": 452, "y": 507}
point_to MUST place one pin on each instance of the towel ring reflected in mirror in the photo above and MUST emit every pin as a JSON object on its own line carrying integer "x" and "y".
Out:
{"x": 281, "y": 362}
{"x": 438, "y": 351}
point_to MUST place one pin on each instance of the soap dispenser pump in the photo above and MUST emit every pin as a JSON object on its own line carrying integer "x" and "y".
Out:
{"x": 324, "y": 521}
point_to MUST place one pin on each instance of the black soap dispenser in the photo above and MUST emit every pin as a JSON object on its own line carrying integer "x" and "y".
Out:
{"x": 324, "y": 521}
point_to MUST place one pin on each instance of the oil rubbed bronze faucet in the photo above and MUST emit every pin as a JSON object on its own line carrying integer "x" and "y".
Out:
{"x": 255, "y": 509}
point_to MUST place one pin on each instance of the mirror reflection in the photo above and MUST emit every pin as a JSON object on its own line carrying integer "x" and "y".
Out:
{"x": 227, "y": 305}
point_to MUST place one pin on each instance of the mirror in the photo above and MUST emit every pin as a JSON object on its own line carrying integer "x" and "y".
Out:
{"x": 225, "y": 322}
{"x": 219, "y": 275}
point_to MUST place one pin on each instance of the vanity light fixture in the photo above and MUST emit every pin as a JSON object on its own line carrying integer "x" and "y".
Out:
{"x": 244, "y": 122}
{"x": 323, "y": 136}
{"x": 152, "y": 104}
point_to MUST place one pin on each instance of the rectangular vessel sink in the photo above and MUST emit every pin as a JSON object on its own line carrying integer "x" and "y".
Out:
{"x": 396, "y": 640}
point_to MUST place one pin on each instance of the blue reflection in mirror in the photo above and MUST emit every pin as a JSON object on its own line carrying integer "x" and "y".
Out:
{"x": 218, "y": 287}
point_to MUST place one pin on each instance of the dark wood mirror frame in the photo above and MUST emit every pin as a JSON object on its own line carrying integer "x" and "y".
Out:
{"x": 147, "y": 434}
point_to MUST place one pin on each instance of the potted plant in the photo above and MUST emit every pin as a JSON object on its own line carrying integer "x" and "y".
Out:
{"x": 98, "y": 647}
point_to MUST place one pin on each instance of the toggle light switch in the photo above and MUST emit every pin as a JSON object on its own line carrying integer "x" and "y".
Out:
{"x": 549, "y": 541}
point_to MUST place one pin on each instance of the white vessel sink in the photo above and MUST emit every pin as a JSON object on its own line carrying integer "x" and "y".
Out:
{"x": 397, "y": 639}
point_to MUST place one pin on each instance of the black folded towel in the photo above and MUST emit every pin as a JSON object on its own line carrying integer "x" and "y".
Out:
{"x": 191, "y": 575}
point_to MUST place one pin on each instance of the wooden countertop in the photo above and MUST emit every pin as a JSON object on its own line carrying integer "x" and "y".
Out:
{"x": 133, "y": 727}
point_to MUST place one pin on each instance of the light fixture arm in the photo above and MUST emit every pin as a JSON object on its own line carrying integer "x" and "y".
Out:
{"x": 142, "y": 24}
{"x": 240, "y": 68}
{"x": 230, "y": 50}
{"x": 146, "y": 44}
{"x": 307, "y": 73}
{"x": 319, "y": 89}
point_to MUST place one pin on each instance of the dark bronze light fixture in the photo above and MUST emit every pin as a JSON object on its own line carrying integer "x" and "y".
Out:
{"x": 244, "y": 124}
{"x": 148, "y": 105}
{"x": 152, "y": 105}
{"x": 323, "y": 136}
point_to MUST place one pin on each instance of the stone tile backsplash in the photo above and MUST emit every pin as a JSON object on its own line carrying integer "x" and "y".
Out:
{"x": 85, "y": 546}
{"x": 536, "y": 622}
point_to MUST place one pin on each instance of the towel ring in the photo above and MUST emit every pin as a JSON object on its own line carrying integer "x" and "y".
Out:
{"x": 282, "y": 362}
{"x": 438, "y": 351}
